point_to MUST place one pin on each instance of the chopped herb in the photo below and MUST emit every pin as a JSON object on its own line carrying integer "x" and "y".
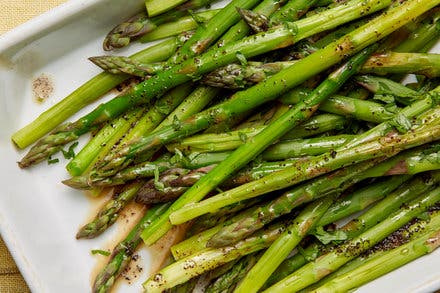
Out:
{"x": 70, "y": 153}
{"x": 51, "y": 161}
{"x": 157, "y": 184}
{"x": 101, "y": 252}
{"x": 241, "y": 58}
{"x": 327, "y": 237}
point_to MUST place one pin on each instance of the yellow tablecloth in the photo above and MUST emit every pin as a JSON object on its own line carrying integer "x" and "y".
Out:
{"x": 15, "y": 12}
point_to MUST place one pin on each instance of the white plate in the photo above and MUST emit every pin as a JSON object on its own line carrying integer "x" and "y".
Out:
{"x": 39, "y": 216}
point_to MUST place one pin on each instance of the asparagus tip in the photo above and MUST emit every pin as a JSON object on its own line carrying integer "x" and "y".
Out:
{"x": 77, "y": 182}
{"x": 256, "y": 21}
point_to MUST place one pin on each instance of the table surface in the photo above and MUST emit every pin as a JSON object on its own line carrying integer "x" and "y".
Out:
{"x": 14, "y": 13}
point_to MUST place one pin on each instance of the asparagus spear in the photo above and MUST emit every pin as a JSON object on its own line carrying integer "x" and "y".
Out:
{"x": 303, "y": 170}
{"x": 231, "y": 140}
{"x": 140, "y": 25}
{"x": 185, "y": 24}
{"x": 386, "y": 263}
{"x": 208, "y": 34}
{"x": 296, "y": 8}
{"x": 428, "y": 30}
{"x": 395, "y": 241}
{"x": 228, "y": 281}
{"x": 176, "y": 181}
{"x": 208, "y": 259}
{"x": 327, "y": 263}
{"x": 121, "y": 65}
{"x": 418, "y": 185}
{"x": 361, "y": 198}
{"x": 285, "y": 243}
{"x": 187, "y": 70}
{"x": 322, "y": 186}
{"x": 87, "y": 93}
{"x": 403, "y": 63}
{"x": 109, "y": 213}
{"x": 209, "y": 221}
{"x": 238, "y": 76}
{"x": 101, "y": 143}
{"x": 384, "y": 86}
{"x": 235, "y": 76}
{"x": 256, "y": 21}
{"x": 156, "y": 7}
{"x": 122, "y": 253}
{"x": 403, "y": 194}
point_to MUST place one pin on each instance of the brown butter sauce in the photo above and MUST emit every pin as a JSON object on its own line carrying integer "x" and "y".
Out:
{"x": 129, "y": 217}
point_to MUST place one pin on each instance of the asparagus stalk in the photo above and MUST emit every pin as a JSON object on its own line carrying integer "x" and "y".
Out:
{"x": 122, "y": 253}
{"x": 101, "y": 143}
{"x": 292, "y": 8}
{"x": 87, "y": 93}
{"x": 403, "y": 63}
{"x": 361, "y": 198}
{"x": 121, "y": 65}
{"x": 285, "y": 243}
{"x": 236, "y": 76}
{"x": 156, "y": 7}
{"x": 368, "y": 111}
{"x": 223, "y": 215}
{"x": 340, "y": 180}
{"x": 231, "y": 140}
{"x": 327, "y": 263}
{"x": 208, "y": 259}
{"x": 140, "y": 25}
{"x": 395, "y": 241}
{"x": 428, "y": 30}
{"x": 184, "y": 24}
{"x": 386, "y": 263}
{"x": 384, "y": 86}
{"x": 315, "y": 166}
{"x": 177, "y": 181}
{"x": 228, "y": 281}
{"x": 109, "y": 213}
{"x": 391, "y": 202}
{"x": 208, "y": 34}
{"x": 404, "y": 195}
{"x": 401, "y": 121}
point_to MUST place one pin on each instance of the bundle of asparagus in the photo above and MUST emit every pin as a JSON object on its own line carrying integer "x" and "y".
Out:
{"x": 261, "y": 126}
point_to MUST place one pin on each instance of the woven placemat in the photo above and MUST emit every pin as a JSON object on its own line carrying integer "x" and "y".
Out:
{"x": 15, "y": 12}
